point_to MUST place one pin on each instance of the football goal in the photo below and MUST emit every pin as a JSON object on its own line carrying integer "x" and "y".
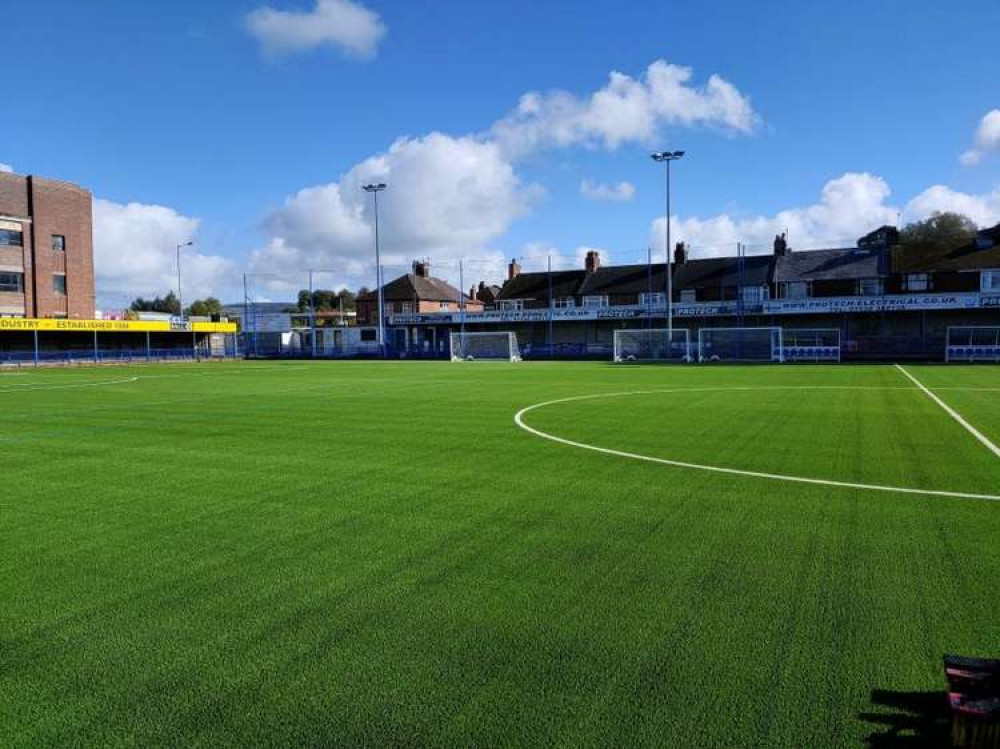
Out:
{"x": 971, "y": 344}
{"x": 740, "y": 344}
{"x": 498, "y": 346}
{"x": 812, "y": 344}
{"x": 652, "y": 344}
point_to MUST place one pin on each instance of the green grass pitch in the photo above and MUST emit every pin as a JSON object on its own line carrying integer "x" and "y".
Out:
{"x": 374, "y": 554}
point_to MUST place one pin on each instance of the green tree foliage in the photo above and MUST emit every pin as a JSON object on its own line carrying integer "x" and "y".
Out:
{"x": 941, "y": 231}
{"x": 205, "y": 307}
{"x": 325, "y": 300}
{"x": 169, "y": 304}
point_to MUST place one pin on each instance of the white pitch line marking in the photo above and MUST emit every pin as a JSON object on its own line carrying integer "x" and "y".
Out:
{"x": 953, "y": 414}
{"x": 26, "y": 387}
{"x": 519, "y": 421}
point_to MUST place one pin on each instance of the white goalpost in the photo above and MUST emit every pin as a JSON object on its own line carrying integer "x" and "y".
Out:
{"x": 968, "y": 343}
{"x": 489, "y": 346}
{"x": 740, "y": 344}
{"x": 652, "y": 344}
{"x": 811, "y": 344}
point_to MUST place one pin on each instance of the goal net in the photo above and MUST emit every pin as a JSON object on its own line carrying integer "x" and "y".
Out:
{"x": 971, "y": 344}
{"x": 652, "y": 344}
{"x": 499, "y": 346}
{"x": 740, "y": 344}
{"x": 812, "y": 344}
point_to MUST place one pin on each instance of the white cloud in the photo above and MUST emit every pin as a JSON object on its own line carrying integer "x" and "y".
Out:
{"x": 848, "y": 207}
{"x": 6, "y": 168}
{"x": 987, "y": 139}
{"x": 447, "y": 199}
{"x": 343, "y": 24}
{"x": 135, "y": 254}
{"x": 450, "y": 197}
{"x": 983, "y": 209}
{"x": 618, "y": 193}
{"x": 626, "y": 110}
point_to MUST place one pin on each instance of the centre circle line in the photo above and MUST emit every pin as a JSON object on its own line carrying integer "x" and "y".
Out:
{"x": 520, "y": 422}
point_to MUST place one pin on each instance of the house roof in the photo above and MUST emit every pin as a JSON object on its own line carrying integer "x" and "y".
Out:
{"x": 722, "y": 271}
{"x": 916, "y": 259}
{"x": 536, "y": 285}
{"x": 625, "y": 279}
{"x": 412, "y": 287}
{"x": 827, "y": 265}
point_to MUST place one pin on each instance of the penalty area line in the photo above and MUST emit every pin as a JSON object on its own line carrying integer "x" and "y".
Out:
{"x": 987, "y": 442}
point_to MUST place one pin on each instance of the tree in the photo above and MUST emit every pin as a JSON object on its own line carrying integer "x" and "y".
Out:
{"x": 325, "y": 300}
{"x": 942, "y": 231}
{"x": 205, "y": 307}
{"x": 168, "y": 304}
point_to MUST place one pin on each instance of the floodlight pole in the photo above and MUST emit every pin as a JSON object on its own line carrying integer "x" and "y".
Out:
{"x": 180, "y": 297}
{"x": 665, "y": 157}
{"x": 375, "y": 188}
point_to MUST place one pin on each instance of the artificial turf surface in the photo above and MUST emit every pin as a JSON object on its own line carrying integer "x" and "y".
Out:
{"x": 373, "y": 554}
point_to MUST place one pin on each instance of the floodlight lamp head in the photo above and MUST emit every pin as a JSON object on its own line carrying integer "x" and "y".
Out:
{"x": 374, "y": 187}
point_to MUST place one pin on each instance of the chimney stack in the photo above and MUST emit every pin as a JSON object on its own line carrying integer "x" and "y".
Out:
{"x": 593, "y": 261}
{"x": 680, "y": 254}
{"x": 513, "y": 270}
{"x": 421, "y": 268}
{"x": 781, "y": 247}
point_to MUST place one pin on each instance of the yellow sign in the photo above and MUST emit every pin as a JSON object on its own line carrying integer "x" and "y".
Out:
{"x": 114, "y": 326}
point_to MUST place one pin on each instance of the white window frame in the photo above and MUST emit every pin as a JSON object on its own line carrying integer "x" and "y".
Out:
{"x": 512, "y": 305}
{"x": 563, "y": 302}
{"x": 989, "y": 281}
{"x": 917, "y": 282}
{"x": 444, "y": 306}
{"x": 804, "y": 286}
{"x": 689, "y": 296}
{"x": 406, "y": 308}
{"x": 757, "y": 294}
{"x": 655, "y": 299}
{"x": 595, "y": 301}
{"x": 879, "y": 288}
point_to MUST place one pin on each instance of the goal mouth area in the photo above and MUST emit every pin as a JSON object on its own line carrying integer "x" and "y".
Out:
{"x": 484, "y": 346}
{"x": 652, "y": 346}
{"x": 760, "y": 345}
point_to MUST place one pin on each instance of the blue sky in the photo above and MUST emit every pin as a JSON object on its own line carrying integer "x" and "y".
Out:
{"x": 209, "y": 119}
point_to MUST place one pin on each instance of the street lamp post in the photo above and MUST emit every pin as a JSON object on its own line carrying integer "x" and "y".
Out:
{"x": 180, "y": 297}
{"x": 375, "y": 188}
{"x": 665, "y": 157}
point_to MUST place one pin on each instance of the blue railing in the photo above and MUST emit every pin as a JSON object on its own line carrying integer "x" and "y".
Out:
{"x": 72, "y": 356}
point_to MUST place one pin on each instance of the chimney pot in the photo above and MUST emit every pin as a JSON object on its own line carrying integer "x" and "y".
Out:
{"x": 680, "y": 254}
{"x": 513, "y": 270}
{"x": 593, "y": 261}
{"x": 421, "y": 268}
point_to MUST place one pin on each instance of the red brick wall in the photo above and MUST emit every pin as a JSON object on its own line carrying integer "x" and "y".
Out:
{"x": 65, "y": 209}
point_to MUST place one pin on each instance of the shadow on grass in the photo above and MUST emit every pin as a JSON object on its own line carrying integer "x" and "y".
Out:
{"x": 918, "y": 720}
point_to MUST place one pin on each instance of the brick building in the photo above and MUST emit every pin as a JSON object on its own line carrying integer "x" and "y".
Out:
{"x": 46, "y": 249}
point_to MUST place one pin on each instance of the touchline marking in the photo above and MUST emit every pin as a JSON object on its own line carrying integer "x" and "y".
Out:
{"x": 26, "y": 387}
{"x": 953, "y": 413}
{"x": 519, "y": 421}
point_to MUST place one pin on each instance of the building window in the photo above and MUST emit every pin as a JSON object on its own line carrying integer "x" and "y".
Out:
{"x": 445, "y": 305}
{"x": 656, "y": 299}
{"x": 753, "y": 294}
{"x": 564, "y": 302}
{"x": 59, "y": 243}
{"x": 512, "y": 304}
{"x": 916, "y": 282}
{"x": 796, "y": 290}
{"x": 11, "y": 234}
{"x": 870, "y": 287}
{"x": 595, "y": 302}
{"x": 990, "y": 280}
{"x": 59, "y": 284}
{"x": 12, "y": 282}
{"x": 689, "y": 296}
{"x": 406, "y": 308}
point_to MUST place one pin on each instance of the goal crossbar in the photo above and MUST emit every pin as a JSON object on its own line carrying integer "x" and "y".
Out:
{"x": 756, "y": 344}
{"x": 477, "y": 346}
{"x": 652, "y": 344}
